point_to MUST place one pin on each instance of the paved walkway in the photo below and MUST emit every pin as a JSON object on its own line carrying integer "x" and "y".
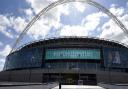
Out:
{"x": 23, "y": 85}
{"x": 78, "y": 87}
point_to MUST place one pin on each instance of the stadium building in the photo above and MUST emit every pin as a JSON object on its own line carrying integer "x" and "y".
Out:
{"x": 68, "y": 60}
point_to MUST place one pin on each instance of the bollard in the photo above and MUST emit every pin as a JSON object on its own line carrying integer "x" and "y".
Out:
{"x": 59, "y": 85}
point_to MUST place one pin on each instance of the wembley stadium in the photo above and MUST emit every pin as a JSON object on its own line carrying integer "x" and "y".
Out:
{"x": 68, "y": 60}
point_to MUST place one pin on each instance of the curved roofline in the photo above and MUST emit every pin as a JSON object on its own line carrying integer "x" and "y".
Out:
{"x": 59, "y": 2}
{"x": 70, "y": 37}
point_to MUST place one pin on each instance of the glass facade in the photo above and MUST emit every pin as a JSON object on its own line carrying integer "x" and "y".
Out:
{"x": 72, "y": 53}
{"x": 24, "y": 59}
{"x": 115, "y": 57}
{"x": 72, "y": 65}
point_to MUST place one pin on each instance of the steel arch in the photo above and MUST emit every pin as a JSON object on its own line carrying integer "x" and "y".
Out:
{"x": 59, "y": 2}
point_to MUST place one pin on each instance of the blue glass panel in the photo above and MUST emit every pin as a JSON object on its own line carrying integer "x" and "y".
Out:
{"x": 115, "y": 57}
{"x": 25, "y": 58}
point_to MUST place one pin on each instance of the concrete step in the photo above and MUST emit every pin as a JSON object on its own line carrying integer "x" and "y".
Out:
{"x": 78, "y": 87}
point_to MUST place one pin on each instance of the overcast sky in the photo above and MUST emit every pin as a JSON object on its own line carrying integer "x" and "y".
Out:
{"x": 71, "y": 19}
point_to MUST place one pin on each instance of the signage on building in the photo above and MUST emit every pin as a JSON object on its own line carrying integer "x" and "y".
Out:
{"x": 72, "y": 53}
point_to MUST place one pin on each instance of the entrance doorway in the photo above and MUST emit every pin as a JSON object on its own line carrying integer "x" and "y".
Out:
{"x": 88, "y": 79}
{"x": 73, "y": 79}
{"x": 69, "y": 79}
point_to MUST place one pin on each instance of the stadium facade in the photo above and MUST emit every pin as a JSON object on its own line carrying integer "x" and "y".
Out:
{"x": 68, "y": 60}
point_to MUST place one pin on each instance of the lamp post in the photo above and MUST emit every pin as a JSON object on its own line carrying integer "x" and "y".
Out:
{"x": 59, "y": 85}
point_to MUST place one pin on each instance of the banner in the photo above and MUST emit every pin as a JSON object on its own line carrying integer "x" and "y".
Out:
{"x": 72, "y": 53}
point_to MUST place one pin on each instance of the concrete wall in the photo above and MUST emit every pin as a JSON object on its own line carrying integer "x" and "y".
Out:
{"x": 5, "y": 75}
{"x": 20, "y": 75}
{"x": 36, "y": 75}
{"x": 112, "y": 77}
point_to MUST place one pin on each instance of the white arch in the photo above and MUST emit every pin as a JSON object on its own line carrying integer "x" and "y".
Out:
{"x": 54, "y": 4}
